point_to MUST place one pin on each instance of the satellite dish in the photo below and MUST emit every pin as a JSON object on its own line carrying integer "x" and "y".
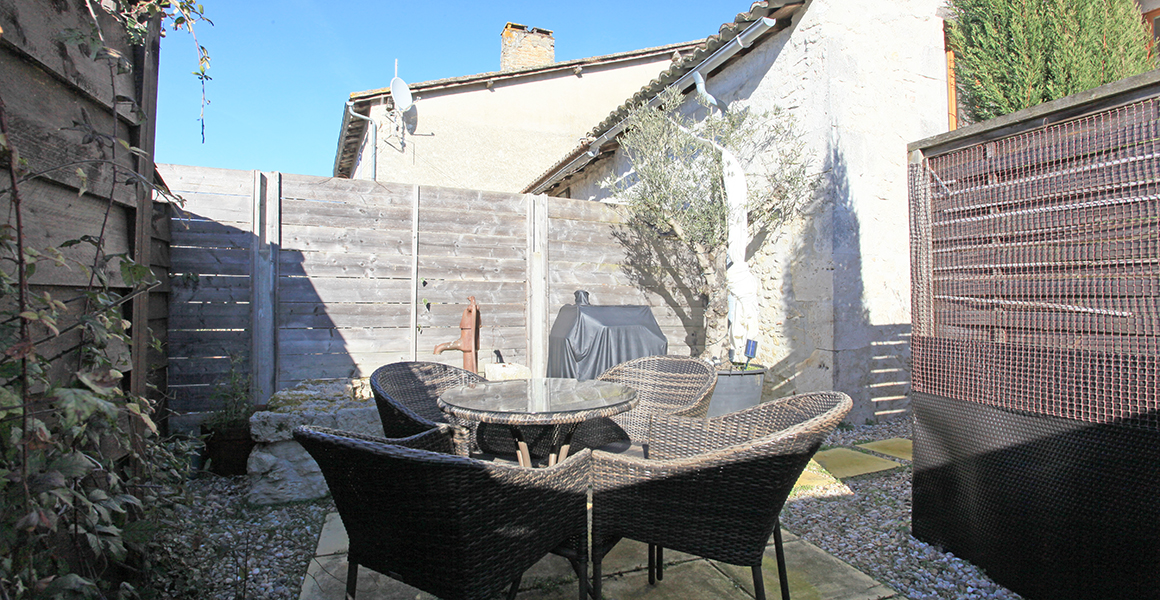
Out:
{"x": 402, "y": 94}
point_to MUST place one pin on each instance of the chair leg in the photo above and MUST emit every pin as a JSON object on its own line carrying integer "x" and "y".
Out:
{"x": 660, "y": 563}
{"x": 780, "y": 551}
{"x": 652, "y": 564}
{"x": 515, "y": 589}
{"x": 596, "y": 577}
{"x": 759, "y": 584}
{"x": 580, "y": 567}
{"x": 583, "y": 579}
{"x": 351, "y": 579}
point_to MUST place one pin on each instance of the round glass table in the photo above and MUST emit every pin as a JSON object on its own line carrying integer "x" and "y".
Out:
{"x": 564, "y": 403}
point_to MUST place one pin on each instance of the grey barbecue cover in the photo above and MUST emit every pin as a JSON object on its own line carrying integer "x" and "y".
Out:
{"x": 587, "y": 340}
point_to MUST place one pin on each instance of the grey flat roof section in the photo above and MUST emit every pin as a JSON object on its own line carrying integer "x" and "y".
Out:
{"x": 1117, "y": 93}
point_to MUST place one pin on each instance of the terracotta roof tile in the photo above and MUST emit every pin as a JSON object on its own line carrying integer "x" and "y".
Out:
{"x": 725, "y": 34}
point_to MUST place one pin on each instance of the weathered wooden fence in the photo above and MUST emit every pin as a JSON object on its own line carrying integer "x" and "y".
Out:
{"x": 56, "y": 97}
{"x": 291, "y": 277}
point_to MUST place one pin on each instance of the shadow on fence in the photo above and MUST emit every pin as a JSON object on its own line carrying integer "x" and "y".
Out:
{"x": 212, "y": 317}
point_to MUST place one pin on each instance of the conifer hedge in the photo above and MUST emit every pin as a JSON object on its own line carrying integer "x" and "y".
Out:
{"x": 1012, "y": 54}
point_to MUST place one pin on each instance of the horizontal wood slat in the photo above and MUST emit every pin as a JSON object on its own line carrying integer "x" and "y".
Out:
{"x": 322, "y": 315}
{"x": 205, "y": 181}
{"x": 297, "y": 368}
{"x": 569, "y": 209}
{"x": 345, "y": 284}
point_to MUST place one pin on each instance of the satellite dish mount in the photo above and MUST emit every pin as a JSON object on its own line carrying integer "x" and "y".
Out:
{"x": 401, "y": 96}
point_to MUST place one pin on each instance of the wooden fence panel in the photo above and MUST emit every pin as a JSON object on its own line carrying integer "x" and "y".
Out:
{"x": 353, "y": 269}
{"x": 586, "y": 252}
{"x": 56, "y": 96}
{"x": 210, "y": 256}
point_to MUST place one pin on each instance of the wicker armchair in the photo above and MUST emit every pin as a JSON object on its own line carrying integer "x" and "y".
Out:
{"x": 452, "y": 526}
{"x": 674, "y": 385}
{"x": 712, "y": 488}
{"x": 405, "y": 393}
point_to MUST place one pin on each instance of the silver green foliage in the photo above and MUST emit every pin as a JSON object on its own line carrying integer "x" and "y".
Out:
{"x": 676, "y": 184}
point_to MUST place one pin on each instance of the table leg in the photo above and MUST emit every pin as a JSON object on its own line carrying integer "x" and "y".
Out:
{"x": 566, "y": 445}
{"x": 524, "y": 455}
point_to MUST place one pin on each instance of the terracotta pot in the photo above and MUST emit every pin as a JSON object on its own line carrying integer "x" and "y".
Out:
{"x": 228, "y": 449}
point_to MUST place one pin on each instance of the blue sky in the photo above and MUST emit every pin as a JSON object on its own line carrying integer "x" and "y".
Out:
{"x": 283, "y": 70}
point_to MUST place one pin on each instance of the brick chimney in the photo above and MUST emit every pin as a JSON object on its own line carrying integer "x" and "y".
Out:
{"x": 522, "y": 47}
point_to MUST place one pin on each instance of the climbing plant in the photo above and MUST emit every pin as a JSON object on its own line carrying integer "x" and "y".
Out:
{"x": 84, "y": 476}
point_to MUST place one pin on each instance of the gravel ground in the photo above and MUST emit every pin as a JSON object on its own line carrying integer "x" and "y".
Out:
{"x": 866, "y": 523}
{"x": 232, "y": 550}
{"x": 223, "y": 548}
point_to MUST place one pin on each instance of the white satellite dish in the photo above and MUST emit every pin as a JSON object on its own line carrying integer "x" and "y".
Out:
{"x": 402, "y": 94}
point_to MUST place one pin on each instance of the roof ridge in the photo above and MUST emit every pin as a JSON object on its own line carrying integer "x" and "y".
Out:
{"x": 488, "y": 75}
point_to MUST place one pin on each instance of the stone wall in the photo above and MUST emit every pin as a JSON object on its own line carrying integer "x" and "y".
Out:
{"x": 280, "y": 470}
{"x": 860, "y": 85}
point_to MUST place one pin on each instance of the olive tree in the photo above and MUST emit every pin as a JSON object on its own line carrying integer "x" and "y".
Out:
{"x": 711, "y": 179}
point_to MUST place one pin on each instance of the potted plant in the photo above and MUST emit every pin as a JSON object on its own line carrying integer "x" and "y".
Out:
{"x": 739, "y": 384}
{"x": 226, "y": 431}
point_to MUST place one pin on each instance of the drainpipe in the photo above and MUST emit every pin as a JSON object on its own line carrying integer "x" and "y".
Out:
{"x": 374, "y": 139}
{"x": 704, "y": 95}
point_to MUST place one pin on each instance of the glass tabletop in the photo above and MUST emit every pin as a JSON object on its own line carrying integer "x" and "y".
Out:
{"x": 538, "y": 400}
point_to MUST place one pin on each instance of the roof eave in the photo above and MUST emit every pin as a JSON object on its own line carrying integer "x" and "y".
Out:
{"x": 352, "y": 129}
{"x": 677, "y": 75}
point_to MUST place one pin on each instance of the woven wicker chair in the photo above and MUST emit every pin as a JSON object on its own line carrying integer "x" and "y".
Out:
{"x": 405, "y": 393}
{"x": 712, "y": 488}
{"x": 673, "y": 385}
{"x": 452, "y": 526}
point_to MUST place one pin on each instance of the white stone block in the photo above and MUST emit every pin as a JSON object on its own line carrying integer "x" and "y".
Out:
{"x": 266, "y": 427}
{"x": 284, "y": 472}
{"x": 506, "y": 371}
{"x": 364, "y": 420}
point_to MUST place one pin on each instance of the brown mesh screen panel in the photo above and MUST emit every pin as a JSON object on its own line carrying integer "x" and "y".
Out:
{"x": 1036, "y": 273}
{"x": 1036, "y": 279}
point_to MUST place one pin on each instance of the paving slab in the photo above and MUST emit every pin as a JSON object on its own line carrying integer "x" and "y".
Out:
{"x": 326, "y": 580}
{"x": 813, "y": 575}
{"x": 332, "y": 540}
{"x": 896, "y": 447}
{"x": 813, "y": 476}
{"x": 843, "y": 462}
{"x": 630, "y": 555}
{"x": 692, "y": 580}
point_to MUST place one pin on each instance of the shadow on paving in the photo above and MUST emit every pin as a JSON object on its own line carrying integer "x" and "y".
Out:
{"x": 813, "y": 575}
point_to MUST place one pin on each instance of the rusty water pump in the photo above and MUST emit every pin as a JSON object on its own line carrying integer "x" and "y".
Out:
{"x": 468, "y": 341}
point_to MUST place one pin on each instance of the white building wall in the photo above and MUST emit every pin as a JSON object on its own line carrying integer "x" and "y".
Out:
{"x": 503, "y": 138}
{"x": 862, "y": 81}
